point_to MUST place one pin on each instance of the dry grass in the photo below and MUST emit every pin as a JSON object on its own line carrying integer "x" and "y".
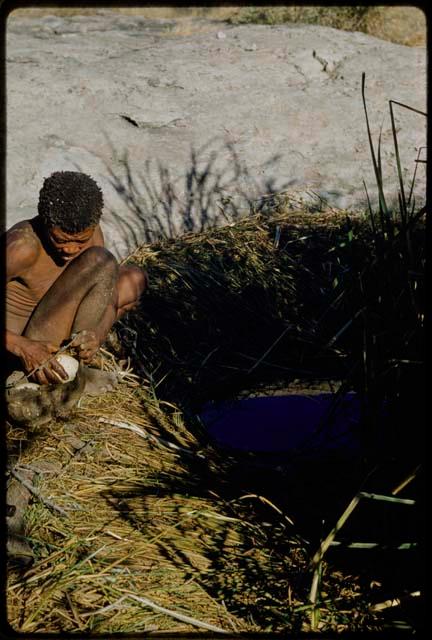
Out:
{"x": 234, "y": 307}
{"x": 403, "y": 25}
{"x": 191, "y": 530}
{"x": 183, "y": 527}
{"x": 119, "y": 519}
{"x": 148, "y": 521}
{"x": 167, "y": 525}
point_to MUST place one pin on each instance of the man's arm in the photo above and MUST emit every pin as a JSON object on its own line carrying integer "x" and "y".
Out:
{"x": 33, "y": 353}
{"x": 22, "y": 251}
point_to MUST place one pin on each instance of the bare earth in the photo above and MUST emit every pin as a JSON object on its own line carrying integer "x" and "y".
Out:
{"x": 177, "y": 115}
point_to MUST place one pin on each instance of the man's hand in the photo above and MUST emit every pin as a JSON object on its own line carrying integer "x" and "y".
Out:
{"x": 87, "y": 343}
{"x": 34, "y": 353}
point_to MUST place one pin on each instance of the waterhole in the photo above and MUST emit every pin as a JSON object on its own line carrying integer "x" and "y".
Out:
{"x": 295, "y": 423}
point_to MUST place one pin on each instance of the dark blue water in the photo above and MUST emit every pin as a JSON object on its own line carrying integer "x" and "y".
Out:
{"x": 294, "y": 423}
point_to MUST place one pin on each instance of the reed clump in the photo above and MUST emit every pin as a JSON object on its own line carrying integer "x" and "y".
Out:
{"x": 236, "y": 306}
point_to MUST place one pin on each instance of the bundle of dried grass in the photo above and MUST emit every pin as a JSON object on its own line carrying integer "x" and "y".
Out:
{"x": 100, "y": 521}
{"x": 135, "y": 528}
{"x": 245, "y": 304}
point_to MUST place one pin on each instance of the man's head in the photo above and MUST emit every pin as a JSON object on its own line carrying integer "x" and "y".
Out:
{"x": 71, "y": 201}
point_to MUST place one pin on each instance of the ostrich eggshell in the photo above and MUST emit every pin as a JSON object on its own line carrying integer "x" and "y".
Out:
{"x": 69, "y": 364}
{"x": 28, "y": 385}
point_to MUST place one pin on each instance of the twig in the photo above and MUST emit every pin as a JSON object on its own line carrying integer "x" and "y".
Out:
{"x": 381, "y": 498}
{"x": 313, "y": 596}
{"x": 331, "y": 536}
{"x": 123, "y": 374}
{"x": 36, "y": 493}
{"x": 316, "y": 562}
{"x": 407, "y": 480}
{"x": 74, "y": 612}
{"x": 258, "y": 362}
{"x": 157, "y": 607}
{"x": 404, "y": 546}
{"x": 130, "y": 426}
{"x": 110, "y": 607}
{"x": 77, "y": 453}
{"x": 331, "y": 342}
{"x": 267, "y": 501}
{"x": 346, "y": 514}
{"x": 393, "y": 602}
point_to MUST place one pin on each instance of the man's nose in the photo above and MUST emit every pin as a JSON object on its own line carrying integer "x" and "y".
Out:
{"x": 71, "y": 249}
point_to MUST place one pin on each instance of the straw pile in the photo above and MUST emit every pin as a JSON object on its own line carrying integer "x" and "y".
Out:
{"x": 129, "y": 532}
{"x": 139, "y": 521}
{"x": 122, "y": 532}
{"x": 246, "y": 304}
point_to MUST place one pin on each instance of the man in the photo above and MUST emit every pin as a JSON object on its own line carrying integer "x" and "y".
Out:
{"x": 61, "y": 280}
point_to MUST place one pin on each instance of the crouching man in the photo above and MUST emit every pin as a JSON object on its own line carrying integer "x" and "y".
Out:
{"x": 61, "y": 280}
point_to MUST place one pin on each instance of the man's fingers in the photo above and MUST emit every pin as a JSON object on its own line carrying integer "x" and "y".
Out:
{"x": 87, "y": 344}
{"x": 87, "y": 349}
{"x": 79, "y": 338}
{"x": 41, "y": 377}
{"x": 53, "y": 376}
{"x": 86, "y": 355}
{"x": 56, "y": 367}
{"x": 85, "y": 341}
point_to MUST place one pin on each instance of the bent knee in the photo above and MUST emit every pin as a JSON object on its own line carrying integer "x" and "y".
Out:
{"x": 135, "y": 278}
{"x": 99, "y": 257}
{"x": 132, "y": 283}
{"x": 140, "y": 279}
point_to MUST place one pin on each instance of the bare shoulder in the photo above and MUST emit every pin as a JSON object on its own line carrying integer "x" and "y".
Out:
{"x": 98, "y": 237}
{"x": 22, "y": 247}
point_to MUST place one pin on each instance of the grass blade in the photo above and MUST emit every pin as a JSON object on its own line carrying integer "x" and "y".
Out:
{"x": 378, "y": 177}
{"x": 402, "y": 199}
{"x": 417, "y": 161}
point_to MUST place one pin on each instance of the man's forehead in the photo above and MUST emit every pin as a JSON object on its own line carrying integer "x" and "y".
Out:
{"x": 59, "y": 234}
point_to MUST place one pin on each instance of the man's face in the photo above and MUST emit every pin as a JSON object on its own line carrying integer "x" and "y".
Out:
{"x": 68, "y": 246}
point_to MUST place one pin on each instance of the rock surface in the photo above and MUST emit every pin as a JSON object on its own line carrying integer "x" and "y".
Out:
{"x": 179, "y": 126}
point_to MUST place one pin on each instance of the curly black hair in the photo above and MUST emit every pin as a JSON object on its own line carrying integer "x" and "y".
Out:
{"x": 70, "y": 200}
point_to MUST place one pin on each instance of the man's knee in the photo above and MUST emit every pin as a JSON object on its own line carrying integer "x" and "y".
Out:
{"x": 139, "y": 278}
{"x": 132, "y": 283}
{"x": 135, "y": 277}
{"x": 99, "y": 259}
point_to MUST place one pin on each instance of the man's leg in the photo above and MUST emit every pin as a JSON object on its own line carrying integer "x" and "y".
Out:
{"x": 83, "y": 295}
{"x": 131, "y": 284}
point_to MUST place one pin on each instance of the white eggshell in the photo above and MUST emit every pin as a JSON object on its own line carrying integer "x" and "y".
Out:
{"x": 28, "y": 385}
{"x": 69, "y": 364}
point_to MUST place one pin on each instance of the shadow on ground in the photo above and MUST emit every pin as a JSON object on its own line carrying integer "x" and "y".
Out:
{"x": 217, "y": 188}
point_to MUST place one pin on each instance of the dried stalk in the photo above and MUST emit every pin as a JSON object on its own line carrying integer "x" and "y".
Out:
{"x": 157, "y": 607}
{"x": 331, "y": 536}
{"x": 36, "y": 493}
{"x": 393, "y": 602}
{"x": 130, "y": 426}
